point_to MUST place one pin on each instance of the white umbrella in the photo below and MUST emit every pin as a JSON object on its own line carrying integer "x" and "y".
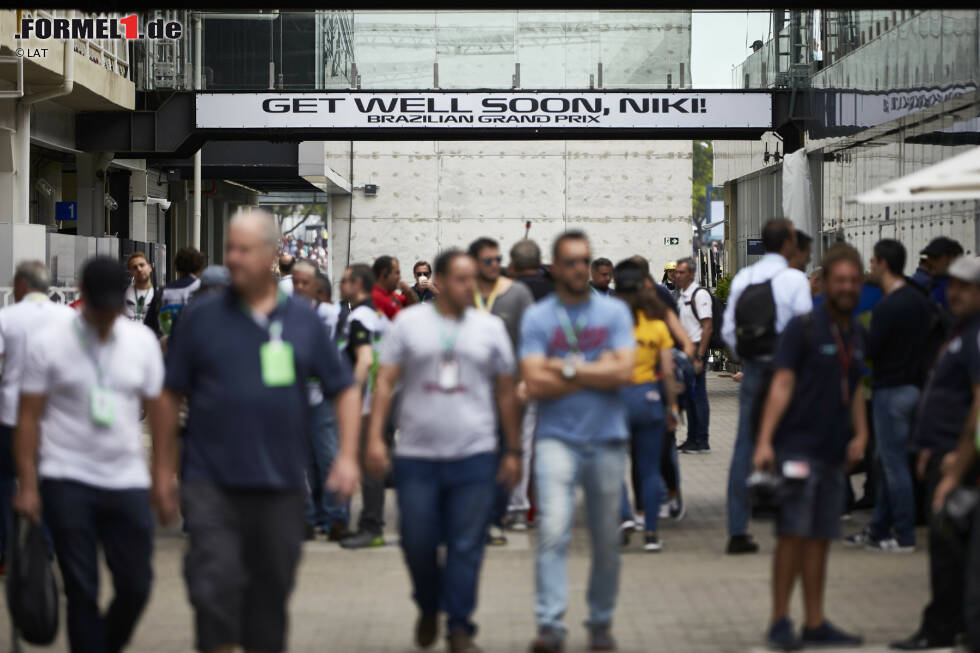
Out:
{"x": 953, "y": 179}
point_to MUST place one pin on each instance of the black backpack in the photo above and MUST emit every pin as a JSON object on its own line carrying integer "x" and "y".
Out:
{"x": 717, "y": 316}
{"x": 32, "y": 592}
{"x": 759, "y": 404}
{"x": 755, "y": 322}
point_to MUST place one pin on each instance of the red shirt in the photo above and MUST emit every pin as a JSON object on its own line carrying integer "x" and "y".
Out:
{"x": 388, "y": 303}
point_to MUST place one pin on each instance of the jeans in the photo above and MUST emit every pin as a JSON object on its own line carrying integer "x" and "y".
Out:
{"x": 558, "y": 468}
{"x": 8, "y": 477}
{"x": 324, "y": 508}
{"x": 646, "y": 420}
{"x": 741, "y": 467}
{"x": 894, "y": 409}
{"x": 445, "y": 501}
{"x": 698, "y": 411}
{"x": 80, "y": 518}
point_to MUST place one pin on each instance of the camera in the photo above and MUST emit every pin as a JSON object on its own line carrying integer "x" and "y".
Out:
{"x": 763, "y": 490}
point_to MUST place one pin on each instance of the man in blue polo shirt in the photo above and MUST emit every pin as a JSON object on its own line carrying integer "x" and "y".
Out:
{"x": 577, "y": 350}
{"x": 247, "y": 442}
{"x": 813, "y": 425}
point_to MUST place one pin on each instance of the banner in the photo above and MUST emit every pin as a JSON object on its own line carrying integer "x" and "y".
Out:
{"x": 483, "y": 110}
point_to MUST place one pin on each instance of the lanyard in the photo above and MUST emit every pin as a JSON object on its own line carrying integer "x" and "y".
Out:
{"x": 571, "y": 333}
{"x": 446, "y": 337}
{"x": 845, "y": 359}
{"x": 488, "y": 306}
{"x": 141, "y": 301}
{"x": 274, "y": 327}
{"x": 89, "y": 349}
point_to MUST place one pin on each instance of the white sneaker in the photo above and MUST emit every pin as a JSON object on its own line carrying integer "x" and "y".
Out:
{"x": 889, "y": 545}
{"x": 665, "y": 510}
{"x": 676, "y": 509}
{"x": 638, "y": 521}
{"x": 652, "y": 544}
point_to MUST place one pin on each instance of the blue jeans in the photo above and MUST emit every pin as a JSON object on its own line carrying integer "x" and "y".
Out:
{"x": 698, "y": 411}
{"x": 324, "y": 508}
{"x": 741, "y": 467}
{"x": 445, "y": 501}
{"x": 558, "y": 467}
{"x": 81, "y": 517}
{"x": 893, "y": 410}
{"x": 646, "y": 420}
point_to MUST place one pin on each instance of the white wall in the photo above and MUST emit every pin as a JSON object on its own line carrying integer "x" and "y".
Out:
{"x": 627, "y": 195}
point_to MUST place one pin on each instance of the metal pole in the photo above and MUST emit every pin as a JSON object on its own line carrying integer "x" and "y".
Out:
{"x": 196, "y": 218}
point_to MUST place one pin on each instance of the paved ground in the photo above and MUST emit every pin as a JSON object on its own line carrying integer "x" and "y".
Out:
{"x": 689, "y": 598}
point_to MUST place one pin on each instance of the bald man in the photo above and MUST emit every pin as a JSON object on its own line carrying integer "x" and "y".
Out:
{"x": 286, "y": 262}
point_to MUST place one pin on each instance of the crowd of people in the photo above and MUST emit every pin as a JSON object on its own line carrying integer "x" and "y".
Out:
{"x": 485, "y": 395}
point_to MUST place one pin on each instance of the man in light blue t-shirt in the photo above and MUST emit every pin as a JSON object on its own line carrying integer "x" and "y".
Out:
{"x": 576, "y": 351}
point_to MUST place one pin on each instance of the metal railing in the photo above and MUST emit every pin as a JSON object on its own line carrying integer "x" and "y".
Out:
{"x": 64, "y": 295}
{"x": 111, "y": 54}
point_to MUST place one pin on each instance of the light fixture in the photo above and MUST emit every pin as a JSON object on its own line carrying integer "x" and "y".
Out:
{"x": 110, "y": 202}
{"x": 42, "y": 186}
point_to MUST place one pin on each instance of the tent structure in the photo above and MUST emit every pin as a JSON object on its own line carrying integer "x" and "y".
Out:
{"x": 954, "y": 179}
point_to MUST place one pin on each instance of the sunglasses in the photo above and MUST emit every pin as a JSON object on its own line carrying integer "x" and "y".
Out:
{"x": 423, "y": 273}
{"x": 490, "y": 260}
{"x": 572, "y": 262}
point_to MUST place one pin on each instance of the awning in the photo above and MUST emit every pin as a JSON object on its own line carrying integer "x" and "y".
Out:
{"x": 957, "y": 178}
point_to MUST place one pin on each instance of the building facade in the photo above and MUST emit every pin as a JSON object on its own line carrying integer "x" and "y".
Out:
{"x": 883, "y": 94}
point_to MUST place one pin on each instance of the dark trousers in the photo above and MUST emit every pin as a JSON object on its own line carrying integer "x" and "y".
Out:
{"x": 445, "y": 501}
{"x": 7, "y": 478}
{"x": 942, "y": 620}
{"x": 81, "y": 517}
{"x": 372, "y": 495}
{"x": 972, "y": 603}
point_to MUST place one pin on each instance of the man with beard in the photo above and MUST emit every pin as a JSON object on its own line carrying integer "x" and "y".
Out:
{"x": 814, "y": 404}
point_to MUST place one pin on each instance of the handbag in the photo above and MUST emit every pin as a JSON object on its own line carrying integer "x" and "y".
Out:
{"x": 32, "y": 591}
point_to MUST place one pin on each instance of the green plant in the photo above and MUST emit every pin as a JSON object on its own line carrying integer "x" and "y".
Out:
{"x": 723, "y": 287}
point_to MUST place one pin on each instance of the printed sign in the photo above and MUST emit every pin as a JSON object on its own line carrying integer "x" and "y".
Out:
{"x": 754, "y": 247}
{"x": 517, "y": 109}
{"x": 66, "y": 211}
{"x": 672, "y": 241}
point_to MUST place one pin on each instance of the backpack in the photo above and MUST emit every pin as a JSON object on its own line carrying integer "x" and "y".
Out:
{"x": 32, "y": 592}
{"x": 755, "y": 322}
{"x": 717, "y": 315}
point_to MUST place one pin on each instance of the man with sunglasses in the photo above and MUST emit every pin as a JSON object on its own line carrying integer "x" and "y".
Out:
{"x": 500, "y": 296}
{"x": 577, "y": 349}
{"x": 424, "y": 288}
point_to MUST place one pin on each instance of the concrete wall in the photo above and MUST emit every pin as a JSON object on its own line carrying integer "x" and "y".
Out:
{"x": 626, "y": 195}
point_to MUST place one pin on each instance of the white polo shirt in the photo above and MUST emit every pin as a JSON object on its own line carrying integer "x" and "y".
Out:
{"x": 17, "y": 324}
{"x": 702, "y": 302}
{"x": 61, "y": 365}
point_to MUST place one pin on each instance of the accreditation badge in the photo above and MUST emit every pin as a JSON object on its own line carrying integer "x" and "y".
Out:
{"x": 448, "y": 374}
{"x": 102, "y": 406}
{"x": 278, "y": 366}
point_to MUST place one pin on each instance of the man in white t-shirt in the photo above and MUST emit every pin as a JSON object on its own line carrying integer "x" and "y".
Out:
{"x": 458, "y": 368}
{"x": 83, "y": 386}
{"x": 694, "y": 305}
{"x": 18, "y": 322}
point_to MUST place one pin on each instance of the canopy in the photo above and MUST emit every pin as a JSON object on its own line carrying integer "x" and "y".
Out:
{"x": 957, "y": 178}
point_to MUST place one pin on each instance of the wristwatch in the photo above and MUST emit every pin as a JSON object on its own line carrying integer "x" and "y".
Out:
{"x": 568, "y": 370}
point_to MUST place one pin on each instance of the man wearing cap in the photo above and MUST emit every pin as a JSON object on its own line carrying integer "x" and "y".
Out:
{"x": 947, "y": 416}
{"x": 935, "y": 259}
{"x": 84, "y": 383}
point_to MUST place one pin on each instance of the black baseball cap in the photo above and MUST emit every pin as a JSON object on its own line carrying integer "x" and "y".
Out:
{"x": 942, "y": 246}
{"x": 104, "y": 283}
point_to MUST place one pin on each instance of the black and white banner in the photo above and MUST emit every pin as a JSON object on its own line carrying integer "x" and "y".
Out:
{"x": 472, "y": 109}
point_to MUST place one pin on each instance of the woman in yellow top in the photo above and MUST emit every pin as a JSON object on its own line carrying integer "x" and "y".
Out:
{"x": 651, "y": 397}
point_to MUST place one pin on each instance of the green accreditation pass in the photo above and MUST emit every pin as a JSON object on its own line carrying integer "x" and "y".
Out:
{"x": 103, "y": 406}
{"x": 278, "y": 366}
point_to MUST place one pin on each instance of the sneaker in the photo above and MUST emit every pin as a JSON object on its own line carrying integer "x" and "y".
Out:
{"x": 739, "y": 544}
{"x": 688, "y": 447}
{"x": 496, "y": 537}
{"x": 517, "y": 520}
{"x": 920, "y": 642}
{"x": 627, "y": 527}
{"x": 461, "y": 641}
{"x": 601, "y": 639}
{"x": 426, "y": 629}
{"x": 781, "y": 636}
{"x": 338, "y": 531}
{"x": 652, "y": 543}
{"x": 363, "y": 540}
{"x": 547, "y": 641}
{"x": 665, "y": 510}
{"x": 889, "y": 545}
{"x": 676, "y": 508}
{"x": 860, "y": 539}
{"x": 826, "y": 634}
{"x": 702, "y": 448}
{"x": 638, "y": 521}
